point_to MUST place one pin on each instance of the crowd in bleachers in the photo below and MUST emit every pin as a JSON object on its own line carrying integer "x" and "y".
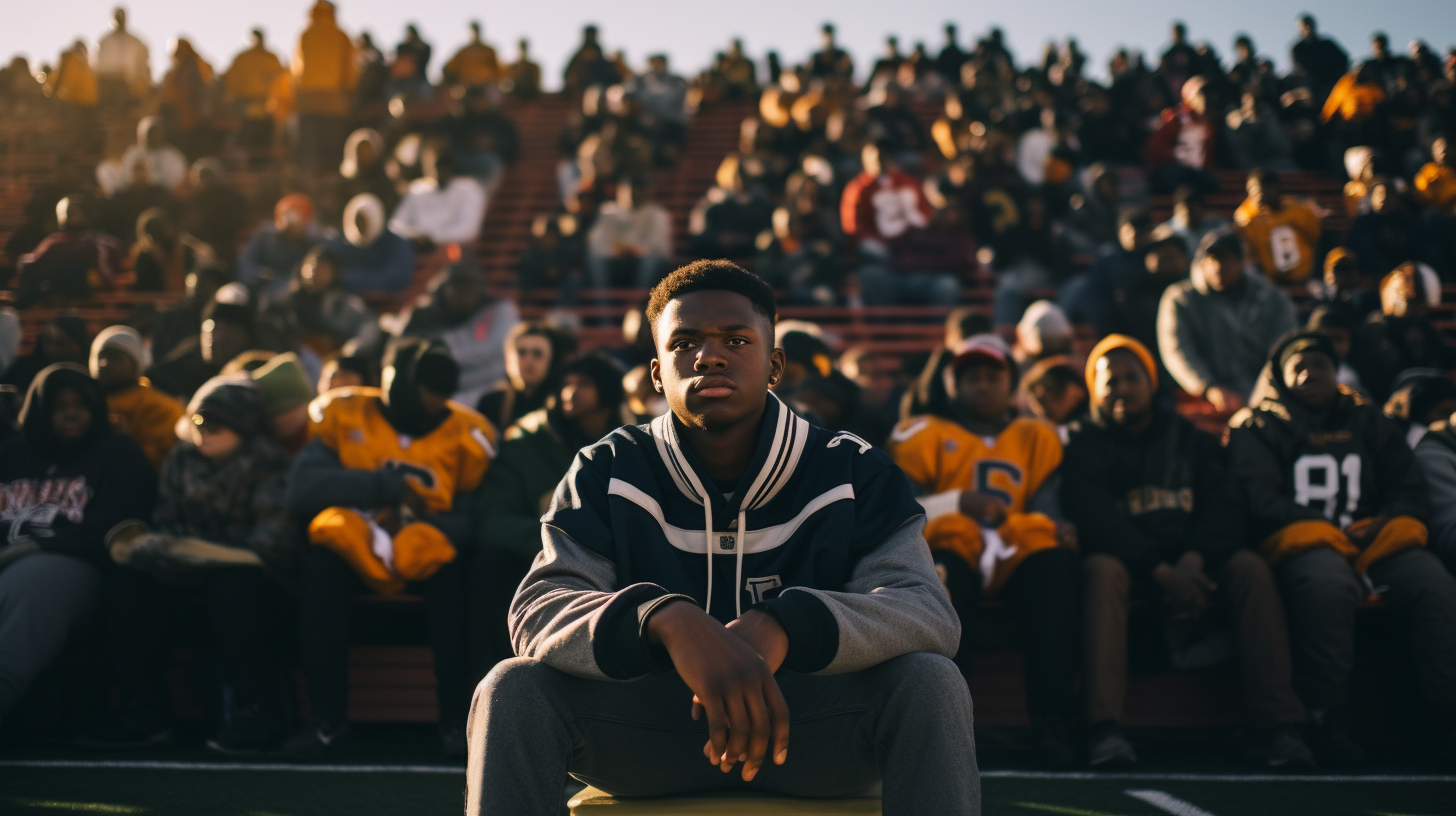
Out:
{"x": 248, "y": 331}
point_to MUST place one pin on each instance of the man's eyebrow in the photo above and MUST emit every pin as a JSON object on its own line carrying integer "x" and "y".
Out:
{"x": 699, "y": 330}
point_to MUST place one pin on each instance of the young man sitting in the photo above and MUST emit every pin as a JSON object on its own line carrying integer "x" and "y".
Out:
{"x": 755, "y": 580}
{"x": 1158, "y": 516}
{"x": 989, "y": 484}
{"x": 1334, "y": 494}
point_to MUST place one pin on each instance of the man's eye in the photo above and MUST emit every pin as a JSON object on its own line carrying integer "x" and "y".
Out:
{"x": 737, "y": 341}
{"x": 680, "y": 345}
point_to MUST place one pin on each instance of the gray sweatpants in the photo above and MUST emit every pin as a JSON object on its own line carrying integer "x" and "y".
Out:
{"x": 42, "y": 598}
{"x": 1321, "y": 592}
{"x": 906, "y": 721}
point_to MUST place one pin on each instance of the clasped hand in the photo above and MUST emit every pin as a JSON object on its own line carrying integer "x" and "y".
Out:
{"x": 730, "y": 671}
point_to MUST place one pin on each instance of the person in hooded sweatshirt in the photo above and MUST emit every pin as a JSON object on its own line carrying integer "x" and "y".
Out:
{"x": 372, "y": 260}
{"x": 118, "y": 358}
{"x": 988, "y": 483}
{"x": 1338, "y": 505}
{"x": 718, "y": 583}
{"x": 1159, "y": 518}
{"x": 1215, "y": 329}
{"x": 384, "y": 489}
{"x": 362, "y": 170}
{"x": 65, "y": 481}
{"x": 221, "y": 546}
{"x": 538, "y": 450}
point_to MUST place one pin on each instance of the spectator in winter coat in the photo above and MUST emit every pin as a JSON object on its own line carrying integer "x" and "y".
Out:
{"x": 316, "y": 313}
{"x": 1403, "y": 336}
{"x": 372, "y": 260}
{"x": 165, "y": 165}
{"x": 442, "y": 207}
{"x": 1435, "y": 184}
{"x": 1181, "y": 149}
{"x": 475, "y": 64}
{"x": 1158, "y": 516}
{"x": 1334, "y": 493}
{"x": 227, "y": 330}
{"x": 213, "y": 211}
{"x": 585, "y": 405}
{"x": 1436, "y": 455}
{"x": 67, "y": 480}
{"x": 882, "y": 210}
{"x": 247, "y": 84}
{"x": 363, "y": 170}
{"x": 1319, "y": 60}
{"x": 63, "y": 340}
{"x": 631, "y": 239}
{"x": 324, "y": 76}
{"x": 223, "y": 545}
{"x": 1389, "y": 234}
{"x": 1215, "y": 329}
{"x": 267, "y": 263}
{"x": 1342, "y": 289}
{"x": 118, "y": 358}
{"x": 163, "y": 255}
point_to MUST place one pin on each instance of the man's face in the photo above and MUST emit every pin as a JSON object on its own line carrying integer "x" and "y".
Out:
{"x": 983, "y": 389}
{"x": 115, "y": 369}
{"x": 715, "y": 358}
{"x": 1306, "y": 28}
{"x": 1310, "y": 376}
{"x": 222, "y": 340}
{"x": 70, "y": 419}
{"x": 1122, "y": 389}
{"x": 1223, "y": 271}
{"x": 578, "y": 396}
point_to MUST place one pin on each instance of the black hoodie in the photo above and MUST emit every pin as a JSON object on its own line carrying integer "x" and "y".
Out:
{"x": 1350, "y": 464}
{"x": 65, "y": 497}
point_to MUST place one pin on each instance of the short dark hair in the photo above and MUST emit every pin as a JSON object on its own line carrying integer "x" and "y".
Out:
{"x": 707, "y": 276}
{"x": 1325, "y": 317}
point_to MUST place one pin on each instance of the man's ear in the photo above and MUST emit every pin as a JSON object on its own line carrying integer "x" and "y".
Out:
{"x": 655, "y": 370}
{"x": 777, "y": 362}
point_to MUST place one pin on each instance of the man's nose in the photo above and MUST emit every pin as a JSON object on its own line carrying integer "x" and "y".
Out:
{"x": 710, "y": 355}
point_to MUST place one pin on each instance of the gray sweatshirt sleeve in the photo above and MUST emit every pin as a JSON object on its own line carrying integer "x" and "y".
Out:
{"x": 1438, "y": 464}
{"x": 892, "y": 605}
{"x": 1177, "y": 344}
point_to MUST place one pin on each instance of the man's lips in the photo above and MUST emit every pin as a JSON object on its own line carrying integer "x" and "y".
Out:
{"x": 714, "y": 386}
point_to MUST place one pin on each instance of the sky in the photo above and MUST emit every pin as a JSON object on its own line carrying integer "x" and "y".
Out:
{"x": 690, "y": 32}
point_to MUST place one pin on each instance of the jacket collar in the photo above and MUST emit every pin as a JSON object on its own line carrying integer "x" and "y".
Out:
{"x": 780, "y": 446}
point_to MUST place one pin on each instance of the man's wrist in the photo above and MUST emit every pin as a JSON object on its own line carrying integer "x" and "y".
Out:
{"x": 661, "y": 617}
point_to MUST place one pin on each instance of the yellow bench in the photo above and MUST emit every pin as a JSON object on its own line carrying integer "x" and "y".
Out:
{"x": 592, "y": 802}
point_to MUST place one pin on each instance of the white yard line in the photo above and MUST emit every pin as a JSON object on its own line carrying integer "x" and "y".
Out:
{"x": 1168, "y": 803}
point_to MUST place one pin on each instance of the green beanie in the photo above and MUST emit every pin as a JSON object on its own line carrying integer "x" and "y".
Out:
{"x": 284, "y": 384}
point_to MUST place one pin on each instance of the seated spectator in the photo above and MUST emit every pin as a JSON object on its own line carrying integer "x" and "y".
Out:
{"x": 588, "y": 67}
{"x": 1158, "y": 516}
{"x": 372, "y": 260}
{"x": 459, "y": 312}
{"x": 1181, "y": 150}
{"x": 988, "y": 484}
{"x": 68, "y": 479}
{"x": 927, "y": 394}
{"x": 221, "y": 545}
{"x": 475, "y": 64}
{"x": 442, "y": 207}
{"x": 1402, "y": 337}
{"x": 213, "y": 211}
{"x": 1043, "y": 331}
{"x": 227, "y": 330}
{"x": 1353, "y": 102}
{"x": 1255, "y": 137}
{"x": 663, "y": 96}
{"x": 535, "y": 353}
{"x": 631, "y": 239}
{"x": 348, "y": 370}
{"x": 164, "y": 164}
{"x": 117, "y": 213}
{"x": 883, "y": 210}
{"x": 70, "y": 263}
{"x": 389, "y": 466}
{"x": 522, "y": 77}
{"x": 482, "y": 139}
{"x": 316, "y": 312}
{"x": 726, "y": 222}
{"x": 1282, "y": 232}
{"x": 287, "y": 392}
{"x": 879, "y": 377}
{"x": 738, "y": 73}
{"x": 1215, "y": 329}
{"x": 1134, "y": 308}
{"x": 163, "y": 255}
{"x": 1389, "y": 234}
{"x": 183, "y": 319}
{"x": 586, "y": 404}
{"x": 118, "y": 358}
{"x": 1341, "y": 330}
{"x": 266, "y": 264}
{"x": 1435, "y": 184}
{"x": 1053, "y": 390}
{"x": 1091, "y": 225}
{"x": 1191, "y": 219}
{"x": 1333, "y": 494}
{"x": 363, "y": 170}
{"x": 1091, "y": 300}
{"x": 830, "y": 60}
{"x": 1419, "y": 400}
{"x": 64, "y": 339}
{"x": 1342, "y": 289}
{"x": 556, "y": 257}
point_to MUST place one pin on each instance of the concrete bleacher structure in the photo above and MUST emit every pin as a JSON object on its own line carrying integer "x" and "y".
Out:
{"x": 395, "y": 682}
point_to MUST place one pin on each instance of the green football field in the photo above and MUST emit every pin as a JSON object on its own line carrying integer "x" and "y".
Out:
{"x": 396, "y": 771}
